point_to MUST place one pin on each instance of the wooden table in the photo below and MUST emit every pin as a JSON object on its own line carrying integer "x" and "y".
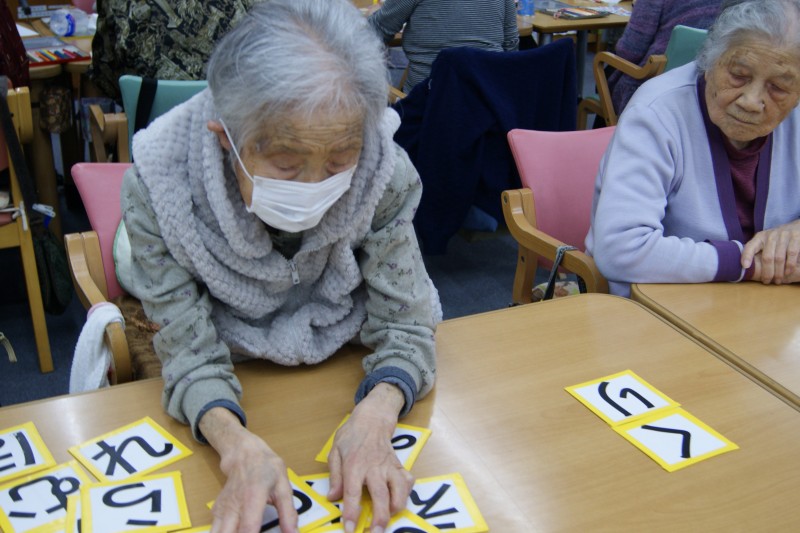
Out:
{"x": 533, "y": 457}
{"x": 753, "y": 326}
{"x": 546, "y": 26}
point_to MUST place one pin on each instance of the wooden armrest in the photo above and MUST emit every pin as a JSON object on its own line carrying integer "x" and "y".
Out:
{"x": 115, "y": 338}
{"x": 108, "y": 129}
{"x": 395, "y": 94}
{"x": 88, "y": 276}
{"x": 653, "y": 67}
{"x": 20, "y": 109}
{"x": 540, "y": 243}
{"x": 86, "y": 267}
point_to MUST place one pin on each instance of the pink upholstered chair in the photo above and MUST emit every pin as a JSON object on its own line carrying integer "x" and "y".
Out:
{"x": 557, "y": 170}
{"x": 91, "y": 260}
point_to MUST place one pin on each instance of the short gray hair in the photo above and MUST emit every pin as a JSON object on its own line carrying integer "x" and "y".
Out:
{"x": 296, "y": 58}
{"x": 773, "y": 21}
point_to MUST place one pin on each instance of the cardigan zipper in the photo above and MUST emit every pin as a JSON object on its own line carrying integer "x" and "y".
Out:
{"x": 293, "y": 270}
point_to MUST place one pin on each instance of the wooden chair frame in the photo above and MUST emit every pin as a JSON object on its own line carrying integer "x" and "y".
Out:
{"x": 88, "y": 276}
{"x": 520, "y": 216}
{"x": 602, "y": 106}
{"x": 108, "y": 130}
{"x": 18, "y": 233}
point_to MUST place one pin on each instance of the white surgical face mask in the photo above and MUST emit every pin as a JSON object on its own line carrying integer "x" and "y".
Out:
{"x": 292, "y": 205}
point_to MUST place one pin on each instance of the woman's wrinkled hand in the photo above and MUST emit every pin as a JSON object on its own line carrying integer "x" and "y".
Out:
{"x": 778, "y": 250}
{"x": 256, "y": 476}
{"x": 362, "y": 455}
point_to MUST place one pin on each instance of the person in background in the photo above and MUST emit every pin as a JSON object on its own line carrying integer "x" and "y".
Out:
{"x": 13, "y": 59}
{"x": 432, "y": 25}
{"x": 648, "y": 33}
{"x": 270, "y": 217}
{"x": 700, "y": 181}
{"x": 161, "y": 39}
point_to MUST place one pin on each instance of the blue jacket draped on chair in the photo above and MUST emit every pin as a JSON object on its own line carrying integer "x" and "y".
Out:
{"x": 454, "y": 127}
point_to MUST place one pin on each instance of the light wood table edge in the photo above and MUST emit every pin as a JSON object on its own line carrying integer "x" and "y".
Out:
{"x": 739, "y": 364}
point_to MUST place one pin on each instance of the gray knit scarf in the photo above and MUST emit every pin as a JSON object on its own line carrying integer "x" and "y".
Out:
{"x": 257, "y": 310}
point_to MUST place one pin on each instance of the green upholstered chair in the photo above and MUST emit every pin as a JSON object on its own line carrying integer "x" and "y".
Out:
{"x": 115, "y": 130}
{"x": 684, "y": 44}
{"x": 168, "y": 94}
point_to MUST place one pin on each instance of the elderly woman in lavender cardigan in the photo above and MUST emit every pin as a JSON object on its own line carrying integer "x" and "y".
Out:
{"x": 701, "y": 181}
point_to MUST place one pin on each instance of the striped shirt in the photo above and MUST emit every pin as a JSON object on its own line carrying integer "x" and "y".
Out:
{"x": 431, "y": 25}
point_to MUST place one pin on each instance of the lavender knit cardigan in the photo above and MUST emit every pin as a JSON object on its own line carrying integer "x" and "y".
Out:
{"x": 648, "y": 33}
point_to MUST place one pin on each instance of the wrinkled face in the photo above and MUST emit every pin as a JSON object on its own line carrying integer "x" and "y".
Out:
{"x": 302, "y": 150}
{"x": 751, "y": 89}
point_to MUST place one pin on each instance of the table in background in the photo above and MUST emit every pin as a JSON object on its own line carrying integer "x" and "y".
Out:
{"x": 41, "y": 156}
{"x": 753, "y": 326}
{"x": 546, "y": 26}
{"x": 533, "y": 457}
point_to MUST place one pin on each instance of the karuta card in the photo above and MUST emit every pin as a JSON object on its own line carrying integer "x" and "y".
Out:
{"x": 22, "y": 452}
{"x": 39, "y": 500}
{"x": 407, "y": 442}
{"x": 313, "y": 510}
{"x": 72, "y": 524}
{"x": 621, "y": 398}
{"x": 151, "y": 503}
{"x": 321, "y": 484}
{"x": 133, "y": 450}
{"x": 446, "y": 503}
{"x": 202, "y": 529}
{"x": 407, "y": 522}
{"x": 59, "y": 526}
{"x": 675, "y": 439}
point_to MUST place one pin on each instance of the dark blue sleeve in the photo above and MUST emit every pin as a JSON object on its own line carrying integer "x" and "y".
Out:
{"x": 227, "y": 404}
{"x": 394, "y": 376}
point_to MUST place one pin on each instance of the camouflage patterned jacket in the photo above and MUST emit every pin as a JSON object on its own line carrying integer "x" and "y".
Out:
{"x": 163, "y": 39}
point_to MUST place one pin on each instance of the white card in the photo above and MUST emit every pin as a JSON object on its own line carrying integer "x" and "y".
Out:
{"x": 445, "y": 502}
{"x": 621, "y": 398}
{"x": 675, "y": 439}
{"x": 132, "y": 450}
{"x": 40, "y": 498}
{"x": 153, "y": 502}
{"x": 22, "y": 452}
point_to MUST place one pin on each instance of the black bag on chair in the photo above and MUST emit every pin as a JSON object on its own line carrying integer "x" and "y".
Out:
{"x": 53, "y": 269}
{"x": 51, "y": 258}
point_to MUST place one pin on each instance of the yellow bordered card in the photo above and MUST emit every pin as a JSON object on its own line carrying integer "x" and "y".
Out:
{"x": 147, "y": 503}
{"x": 22, "y": 452}
{"x": 201, "y": 529}
{"x": 313, "y": 510}
{"x": 321, "y": 484}
{"x": 72, "y": 522}
{"x": 675, "y": 439}
{"x": 407, "y": 442}
{"x": 621, "y": 398}
{"x": 58, "y": 526}
{"x": 39, "y": 500}
{"x": 407, "y": 522}
{"x": 133, "y": 450}
{"x": 446, "y": 503}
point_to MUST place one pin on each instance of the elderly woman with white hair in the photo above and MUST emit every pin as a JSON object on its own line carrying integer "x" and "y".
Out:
{"x": 270, "y": 217}
{"x": 701, "y": 181}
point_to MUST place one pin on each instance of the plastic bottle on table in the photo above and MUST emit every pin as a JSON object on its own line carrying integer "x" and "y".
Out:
{"x": 68, "y": 22}
{"x": 525, "y": 8}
